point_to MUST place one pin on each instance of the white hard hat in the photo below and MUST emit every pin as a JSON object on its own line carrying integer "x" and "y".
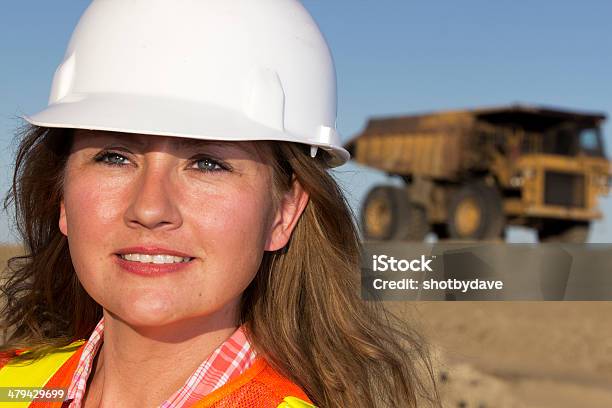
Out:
{"x": 204, "y": 69}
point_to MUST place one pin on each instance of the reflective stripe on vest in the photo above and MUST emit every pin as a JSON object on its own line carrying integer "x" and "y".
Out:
{"x": 36, "y": 373}
{"x": 293, "y": 402}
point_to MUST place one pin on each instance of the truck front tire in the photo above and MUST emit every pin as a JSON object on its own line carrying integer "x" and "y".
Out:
{"x": 476, "y": 212}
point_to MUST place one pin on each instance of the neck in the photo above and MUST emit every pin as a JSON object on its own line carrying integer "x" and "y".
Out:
{"x": 143, "y": 366}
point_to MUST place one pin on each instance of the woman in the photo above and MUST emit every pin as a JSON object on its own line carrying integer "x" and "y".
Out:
{"x": 186, "y": 244}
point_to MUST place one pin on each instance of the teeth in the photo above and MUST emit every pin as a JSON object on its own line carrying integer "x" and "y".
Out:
{"x": 156, "y": 259}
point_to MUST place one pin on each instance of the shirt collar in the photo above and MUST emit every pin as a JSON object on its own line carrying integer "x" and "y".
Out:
{"x": 234, "y": 356}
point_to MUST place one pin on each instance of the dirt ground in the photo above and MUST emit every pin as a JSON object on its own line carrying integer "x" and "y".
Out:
{"x": 6, "y": 252}
{"x": 518, "y": 354}
{"x": 513, "y": 354}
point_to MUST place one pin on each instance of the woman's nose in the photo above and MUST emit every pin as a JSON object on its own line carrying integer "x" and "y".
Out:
{"x": 152, "y": 202}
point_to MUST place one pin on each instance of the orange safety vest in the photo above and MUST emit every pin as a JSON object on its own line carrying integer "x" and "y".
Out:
{"x": 260, "y": 386}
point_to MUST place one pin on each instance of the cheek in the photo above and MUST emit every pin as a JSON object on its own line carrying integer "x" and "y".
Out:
{"x": 93, "y": 207}
{"x": 92, "y": 203}
{"x": 233, "y": 224}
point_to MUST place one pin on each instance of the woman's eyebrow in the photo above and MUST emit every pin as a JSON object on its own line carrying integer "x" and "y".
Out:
{"x": 177, "y": 142}
{"x": 140, "y": 142}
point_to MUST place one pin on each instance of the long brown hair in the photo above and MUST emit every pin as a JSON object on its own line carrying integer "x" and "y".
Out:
{"x": 302, "y": 311}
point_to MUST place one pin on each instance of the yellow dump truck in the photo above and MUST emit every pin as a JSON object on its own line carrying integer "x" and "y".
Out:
{"x": 469, "y": 173}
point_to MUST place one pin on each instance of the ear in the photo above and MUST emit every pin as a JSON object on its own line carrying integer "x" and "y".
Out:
{"x": 63, "y": 225}
{"x": 287, "y": 215}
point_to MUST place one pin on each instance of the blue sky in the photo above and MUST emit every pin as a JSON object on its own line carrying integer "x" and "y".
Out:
{"x": 391, "y": 57}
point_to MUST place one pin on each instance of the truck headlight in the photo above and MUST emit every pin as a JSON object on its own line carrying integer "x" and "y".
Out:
{"x": 516, "y": 180}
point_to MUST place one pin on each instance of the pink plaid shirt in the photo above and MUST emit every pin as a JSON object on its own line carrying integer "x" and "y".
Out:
{"x": 229, "y": 360}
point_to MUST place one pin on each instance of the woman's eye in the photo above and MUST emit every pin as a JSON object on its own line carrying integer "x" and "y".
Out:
{"x": 208, "y": 165}
{"x": 203, "y": 164}
{"x": 111, "y": 158}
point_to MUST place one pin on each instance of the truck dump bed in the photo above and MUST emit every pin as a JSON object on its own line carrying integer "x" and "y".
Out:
{"x": 443, "y": 145}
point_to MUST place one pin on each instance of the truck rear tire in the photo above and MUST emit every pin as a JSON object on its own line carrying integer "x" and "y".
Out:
{"x": 572, "y": 232}
{"x": 412, "y": 222}
{"x": 388, "y": 214}
{"x": 476, "y": 212}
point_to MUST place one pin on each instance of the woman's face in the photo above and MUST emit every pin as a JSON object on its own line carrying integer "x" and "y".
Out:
{"x": 129, "y": 197}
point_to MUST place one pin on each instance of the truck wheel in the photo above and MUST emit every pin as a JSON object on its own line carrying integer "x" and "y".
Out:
{"x": 387, "y": 213}
{"x": 573, "y": 232}
{"x": 476, "y": 212}
{"x": 378, "y": 213}
{"x": 412, "y": 223}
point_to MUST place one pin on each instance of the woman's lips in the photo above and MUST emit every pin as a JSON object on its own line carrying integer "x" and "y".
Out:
{"x": 150, "y": 269}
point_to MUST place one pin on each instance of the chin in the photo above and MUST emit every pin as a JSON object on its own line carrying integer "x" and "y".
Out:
{"x": 148, "y": 310}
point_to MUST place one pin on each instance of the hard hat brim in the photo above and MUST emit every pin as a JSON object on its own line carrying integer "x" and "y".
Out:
{"x": 145, "y": 114}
